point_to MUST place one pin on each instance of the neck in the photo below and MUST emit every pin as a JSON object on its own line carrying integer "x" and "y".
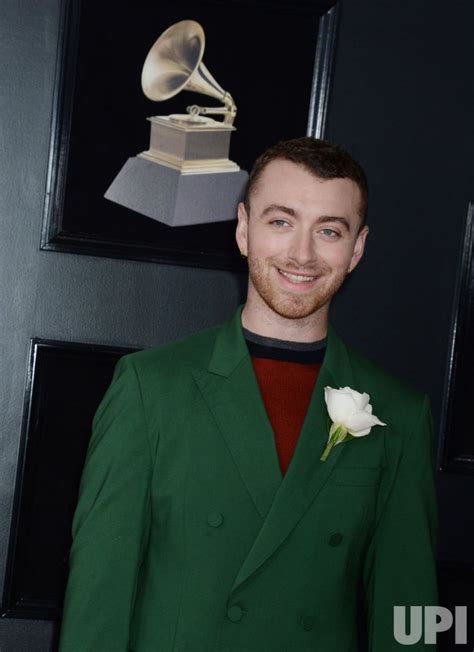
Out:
{"x": 263, "y": 320}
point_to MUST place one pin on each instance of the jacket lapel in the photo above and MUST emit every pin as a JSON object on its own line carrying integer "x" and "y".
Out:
{"x": 231, "y": 391}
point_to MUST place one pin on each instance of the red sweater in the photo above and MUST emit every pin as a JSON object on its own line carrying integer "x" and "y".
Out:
{"x": 286, "y": 389}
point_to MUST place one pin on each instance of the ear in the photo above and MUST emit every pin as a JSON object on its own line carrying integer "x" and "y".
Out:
{"x": 359, "y": 248}
{"x": 241, "y": 232}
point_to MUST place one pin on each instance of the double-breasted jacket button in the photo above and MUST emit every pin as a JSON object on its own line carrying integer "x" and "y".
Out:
{"x": 215, "y": 519}
{"x": 235, "y": 613}
{"x": 335, "y": 539}
{"x": 307, "y": 623}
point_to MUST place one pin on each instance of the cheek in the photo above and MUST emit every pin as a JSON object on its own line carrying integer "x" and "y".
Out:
{"x": 263, "y": 245}
{"x": 338, "y": 257}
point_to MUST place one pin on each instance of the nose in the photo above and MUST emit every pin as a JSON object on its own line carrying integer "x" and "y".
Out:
{"x": 302, "y": 249}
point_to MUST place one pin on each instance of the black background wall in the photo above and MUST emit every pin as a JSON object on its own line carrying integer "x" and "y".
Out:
{"x": 401, "y": 102}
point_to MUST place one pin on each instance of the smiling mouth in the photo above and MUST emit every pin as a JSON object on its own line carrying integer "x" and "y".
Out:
{"x": 297, "y": 278}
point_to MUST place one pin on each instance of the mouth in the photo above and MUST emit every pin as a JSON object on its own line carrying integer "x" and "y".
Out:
{"x": 303, "y": 280}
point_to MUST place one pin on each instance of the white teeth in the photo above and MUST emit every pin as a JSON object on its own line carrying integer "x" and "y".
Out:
{"x": 297, "y": 278}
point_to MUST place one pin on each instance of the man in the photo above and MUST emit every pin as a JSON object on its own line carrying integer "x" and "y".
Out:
{"x": 207, "y": 520}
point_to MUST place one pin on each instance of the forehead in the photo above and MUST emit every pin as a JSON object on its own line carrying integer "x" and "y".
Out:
{"x": 284, "y": 182}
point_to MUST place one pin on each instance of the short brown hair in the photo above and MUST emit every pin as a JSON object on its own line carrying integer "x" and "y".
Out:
{"x": 324, "y": 159}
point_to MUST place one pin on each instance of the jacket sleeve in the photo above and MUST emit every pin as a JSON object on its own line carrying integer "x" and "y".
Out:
{"x": 400, "y": 566}
{"x": 111, "y": 522}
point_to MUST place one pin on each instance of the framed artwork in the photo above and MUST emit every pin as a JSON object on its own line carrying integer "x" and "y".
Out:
{"x": 456, "y": 452}
{"x": 273, "y": 57}
{"x": 66, "y": 382}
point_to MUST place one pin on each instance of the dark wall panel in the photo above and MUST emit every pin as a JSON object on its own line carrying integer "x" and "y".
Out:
{"x": 66, "y": 382}
{"x": 402, "y": 102}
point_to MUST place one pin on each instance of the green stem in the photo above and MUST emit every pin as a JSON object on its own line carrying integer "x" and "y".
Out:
{"x": 337, "y": 434}
{"x": 327, "y": 450}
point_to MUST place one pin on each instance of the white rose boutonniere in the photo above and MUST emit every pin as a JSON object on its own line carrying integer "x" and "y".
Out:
{"x": 351, "y": 414}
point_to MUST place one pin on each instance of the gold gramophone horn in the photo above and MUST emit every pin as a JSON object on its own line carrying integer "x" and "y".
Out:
{"x": 174, "y": 63}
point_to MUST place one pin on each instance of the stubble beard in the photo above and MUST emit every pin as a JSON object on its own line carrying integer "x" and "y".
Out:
{"x": 286, "y": 303}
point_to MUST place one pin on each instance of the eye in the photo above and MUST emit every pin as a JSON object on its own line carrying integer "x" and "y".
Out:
{"x": 280, "y": 223}
{"x": 330, "y": 233}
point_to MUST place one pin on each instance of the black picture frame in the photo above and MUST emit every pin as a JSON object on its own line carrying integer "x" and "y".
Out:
{"x": 456, "y": 450}
{"x": 77, "y": 218}
{"x": 65, "y": 384}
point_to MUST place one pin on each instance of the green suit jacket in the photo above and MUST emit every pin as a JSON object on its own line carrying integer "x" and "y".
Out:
{"x": 186, "y": 537}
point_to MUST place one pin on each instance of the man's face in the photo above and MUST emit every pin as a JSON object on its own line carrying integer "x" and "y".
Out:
{"x": 301, "y": 238}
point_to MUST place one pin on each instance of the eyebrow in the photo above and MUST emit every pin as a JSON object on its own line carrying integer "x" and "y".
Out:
{"x": 334, "y": 218}
{"x": 279, "y": 209}
{"x": 324, "y": 219}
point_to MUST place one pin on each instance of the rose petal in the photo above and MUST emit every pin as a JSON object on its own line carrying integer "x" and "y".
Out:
{"x": 340, "y": 404}
{"x": 361, "y": 433}
{"x": 361, "y": 400}
{"x": 364, "y": 402}
{"x": 360, "y": 421}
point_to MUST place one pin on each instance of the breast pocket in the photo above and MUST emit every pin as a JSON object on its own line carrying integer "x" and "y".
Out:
{"x": 348, "y": 506}
{"x": 352, "y": 476}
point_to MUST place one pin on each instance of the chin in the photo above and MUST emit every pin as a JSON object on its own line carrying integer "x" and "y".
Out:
{"x": 295, "y": 308}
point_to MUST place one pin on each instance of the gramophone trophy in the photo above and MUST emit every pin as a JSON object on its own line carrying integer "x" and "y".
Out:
{"x": 185, "y": 177}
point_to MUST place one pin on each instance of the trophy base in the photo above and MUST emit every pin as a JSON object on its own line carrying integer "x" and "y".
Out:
{"x": 167, "y": 195}
{"x": 196, "y": 166}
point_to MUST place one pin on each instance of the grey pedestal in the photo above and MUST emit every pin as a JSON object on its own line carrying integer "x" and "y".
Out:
{"x": 175, "y": 199}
